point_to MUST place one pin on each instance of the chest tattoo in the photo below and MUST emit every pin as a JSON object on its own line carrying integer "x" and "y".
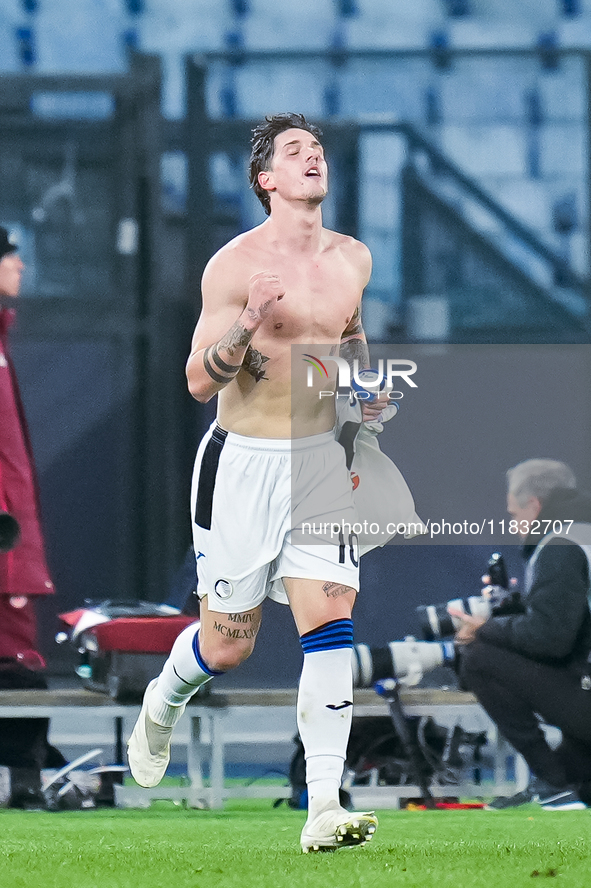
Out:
{"x": 254, "y": 362}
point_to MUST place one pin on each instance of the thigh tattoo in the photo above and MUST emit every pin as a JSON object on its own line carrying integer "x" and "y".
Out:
{"x": 246, "y": 626}
{"x": 334, "y": 590}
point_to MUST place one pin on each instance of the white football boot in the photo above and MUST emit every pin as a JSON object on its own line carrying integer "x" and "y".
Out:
{"x": 337, "y": 828}
{"x": 148, "y": 749}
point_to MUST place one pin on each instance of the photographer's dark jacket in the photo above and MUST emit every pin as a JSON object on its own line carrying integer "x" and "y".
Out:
{"x": 556, "y": 625}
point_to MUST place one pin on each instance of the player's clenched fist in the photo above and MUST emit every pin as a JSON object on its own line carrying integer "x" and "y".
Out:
{"x": 264, "y": 290}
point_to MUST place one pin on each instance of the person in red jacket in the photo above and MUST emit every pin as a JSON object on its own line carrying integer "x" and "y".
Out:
{"x": 24, "y": 574}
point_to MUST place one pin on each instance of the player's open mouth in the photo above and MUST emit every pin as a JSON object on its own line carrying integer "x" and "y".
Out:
{"x": 313, "y": 171}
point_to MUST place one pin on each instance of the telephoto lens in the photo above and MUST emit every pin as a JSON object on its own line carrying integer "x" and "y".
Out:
{"x": 406, "y": 660}
{"x": 436, "y": 622}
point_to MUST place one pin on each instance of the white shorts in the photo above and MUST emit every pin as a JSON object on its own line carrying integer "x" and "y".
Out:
{"x": 248, "y": 495}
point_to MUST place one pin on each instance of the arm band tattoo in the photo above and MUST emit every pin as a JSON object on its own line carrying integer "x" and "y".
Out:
{"x": 211, "y": 372}
{"x": 253, "y": 361}
{"x": 227, "y": 368}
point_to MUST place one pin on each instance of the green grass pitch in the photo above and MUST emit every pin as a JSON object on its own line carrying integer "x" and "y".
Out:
{"x": 250, "y": 844}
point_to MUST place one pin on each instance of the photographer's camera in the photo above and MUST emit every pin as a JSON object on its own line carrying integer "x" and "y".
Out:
{"x": 410, "y": 659}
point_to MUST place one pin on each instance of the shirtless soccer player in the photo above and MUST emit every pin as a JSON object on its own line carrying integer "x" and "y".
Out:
{"x": 287, "y": 281}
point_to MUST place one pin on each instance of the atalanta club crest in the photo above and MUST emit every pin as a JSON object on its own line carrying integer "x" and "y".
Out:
{"x": 223, "y": 589}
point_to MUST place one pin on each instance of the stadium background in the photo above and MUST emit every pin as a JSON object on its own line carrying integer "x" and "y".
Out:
{"x": 458, "y": 139}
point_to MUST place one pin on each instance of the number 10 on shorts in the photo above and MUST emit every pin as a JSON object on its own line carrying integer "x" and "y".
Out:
{"x": 352, "y": 545}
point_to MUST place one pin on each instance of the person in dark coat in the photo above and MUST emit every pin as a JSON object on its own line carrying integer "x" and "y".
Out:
{"x": 537, "y": 664}
{"x": 24, "y": 574}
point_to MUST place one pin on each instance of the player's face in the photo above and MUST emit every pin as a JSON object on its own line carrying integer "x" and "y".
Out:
{"x": 298, "y": 170}
{"x": 11, "y": 270}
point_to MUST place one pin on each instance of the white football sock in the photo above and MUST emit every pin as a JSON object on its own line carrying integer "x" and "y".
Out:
{"x": 324, "y": 716}
{"x": 182, "y": 675}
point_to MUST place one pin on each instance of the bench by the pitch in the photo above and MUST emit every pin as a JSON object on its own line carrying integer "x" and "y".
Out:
{"x": 448, "y": 704}
{"x": 212, "y": 712}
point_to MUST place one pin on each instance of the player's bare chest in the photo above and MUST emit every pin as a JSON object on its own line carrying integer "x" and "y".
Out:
{"x": 317, "y": 277}
{"x": 318, "y": 295}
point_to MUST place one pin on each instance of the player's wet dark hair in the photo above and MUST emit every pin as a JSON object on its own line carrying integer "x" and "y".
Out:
{"x": 263, "y": 147}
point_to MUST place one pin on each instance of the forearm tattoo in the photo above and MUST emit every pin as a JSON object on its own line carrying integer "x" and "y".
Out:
{"x": 227, "y": 368}
{"x": 220, "y": 370}
{"x": 236, "y": 337}
{"x": 259, "y": 313}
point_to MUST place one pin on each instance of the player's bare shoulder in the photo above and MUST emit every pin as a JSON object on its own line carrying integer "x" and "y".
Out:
{"x": 353, "y": 252}
{"x": 230, "y": 269}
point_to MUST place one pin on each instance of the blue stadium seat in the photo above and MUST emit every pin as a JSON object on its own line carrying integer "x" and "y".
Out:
{"x": 423, "y": 10}
{"x": 274, "y": 25}
{"x": 493, "y": 149}
{"x": 485, "y": 89}
{"x": 563, "y": 93}
{"x": 563, "y": 147}
{"x": 386, "y": 34}
{"x": 538, "y": 12}
{"x": 270, "y": 88}
{"x": 384, "y": 249}
{"x": 9, "y": 57}
{"x": 383, "y": 155}
{"x": 579, "y": 252}
{"x": 184, "y": 26}
{"x": 395, "y": 88}
{"x": 532, "y": 203}
{"x": 404, "y": 24}
{"x": 575, "y": 32}
{"x": 84, "y": 36}
{"x": 526, "y": 199}
{"x": 475, "y": 33}
{"x": 380, "y": 204}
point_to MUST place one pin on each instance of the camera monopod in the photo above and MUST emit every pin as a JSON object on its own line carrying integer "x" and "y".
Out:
{"x": 388, "y": 688}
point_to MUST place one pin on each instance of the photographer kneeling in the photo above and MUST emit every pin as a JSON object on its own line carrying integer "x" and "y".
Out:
{"x": 537, "y": 663}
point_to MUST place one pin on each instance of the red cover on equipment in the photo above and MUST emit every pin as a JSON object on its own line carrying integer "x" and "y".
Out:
{"x": 146, "y": 635}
